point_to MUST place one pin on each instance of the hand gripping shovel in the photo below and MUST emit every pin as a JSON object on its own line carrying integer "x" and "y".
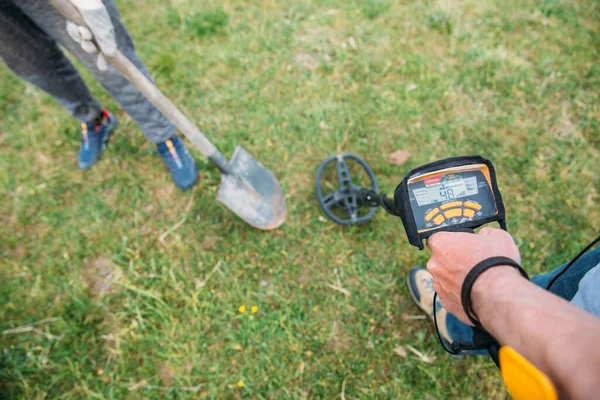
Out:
{"x": 247, "y": 188}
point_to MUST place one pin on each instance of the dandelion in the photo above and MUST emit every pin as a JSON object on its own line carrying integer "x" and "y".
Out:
{"x": 254, "y": 309}
{"x": 240, "y": 383}
{"x": 242, "y": 309}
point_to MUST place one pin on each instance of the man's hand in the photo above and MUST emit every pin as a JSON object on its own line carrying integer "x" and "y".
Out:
{"x": 557, "y": 337}
{"x": 453, "y": 256}
{"x": 99, "y": 28}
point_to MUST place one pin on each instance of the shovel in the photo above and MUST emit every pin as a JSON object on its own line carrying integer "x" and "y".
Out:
{"x": 247, "y": 188}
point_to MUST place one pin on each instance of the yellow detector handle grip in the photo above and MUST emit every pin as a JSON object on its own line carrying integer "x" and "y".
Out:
{"x": 522, "y": 379}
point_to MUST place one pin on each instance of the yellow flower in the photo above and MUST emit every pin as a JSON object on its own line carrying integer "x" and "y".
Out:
{"x": 240, "y": 383}
{"x": 254, "y": 309}
{"x": 242, "y": 309}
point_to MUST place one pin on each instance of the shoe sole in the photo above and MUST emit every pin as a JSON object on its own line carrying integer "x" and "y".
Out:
{"x": 188, "y": 186}
{"x": 416, "y": 299}
{"x": 418, "y": 303}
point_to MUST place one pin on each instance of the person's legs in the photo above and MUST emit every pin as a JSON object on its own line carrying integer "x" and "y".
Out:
{"x": 155, "y": 126}
{"x": 568, "y": 284}
{"x": 35, "y": 57}
{"x": 588, "y": 296}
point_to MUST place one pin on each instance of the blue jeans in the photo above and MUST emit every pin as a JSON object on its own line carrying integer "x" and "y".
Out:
{"x": 566, "y": 287}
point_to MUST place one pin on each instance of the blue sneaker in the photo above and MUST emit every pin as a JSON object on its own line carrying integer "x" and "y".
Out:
{"x": 180, "y": 163}
{"x": 95, "y": 135}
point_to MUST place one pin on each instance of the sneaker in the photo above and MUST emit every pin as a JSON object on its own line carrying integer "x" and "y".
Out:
{"x": 420, "y": 286}
{"x": 180, "y": 163}
{"x": 95, "y": 134}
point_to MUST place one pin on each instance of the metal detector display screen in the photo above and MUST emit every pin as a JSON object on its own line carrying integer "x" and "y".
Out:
{"x": 449, "y": 190}
{"x": 451, "y": 196}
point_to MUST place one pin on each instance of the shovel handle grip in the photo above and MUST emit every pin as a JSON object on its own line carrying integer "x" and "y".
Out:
{"x": 150, "y": 91}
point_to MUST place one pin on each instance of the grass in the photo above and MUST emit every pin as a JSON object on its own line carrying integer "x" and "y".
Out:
{"x": 118, "y": 314}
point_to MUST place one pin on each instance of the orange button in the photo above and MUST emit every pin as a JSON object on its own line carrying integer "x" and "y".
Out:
{"x": 472, "y": 205}
{"x": 439, "y": 219}
{"x": 469, "y": 213}
{"x": 455, "y": 212}
{"x": 451, "y": 205}
{"x": 431, "y": 214}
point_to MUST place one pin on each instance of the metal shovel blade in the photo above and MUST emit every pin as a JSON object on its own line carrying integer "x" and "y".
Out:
{"x": 252, "y": 192}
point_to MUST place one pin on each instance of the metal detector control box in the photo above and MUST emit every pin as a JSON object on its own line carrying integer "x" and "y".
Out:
{"x": 454, "y": 194}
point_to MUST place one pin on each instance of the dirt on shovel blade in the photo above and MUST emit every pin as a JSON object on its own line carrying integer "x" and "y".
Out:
{"x": 252, "y": 192}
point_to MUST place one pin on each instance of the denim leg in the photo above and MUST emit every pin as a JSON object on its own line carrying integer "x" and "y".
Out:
{"x": 567, "y": 285}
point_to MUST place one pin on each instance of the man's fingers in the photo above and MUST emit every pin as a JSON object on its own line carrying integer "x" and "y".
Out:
{"x": 443, "y": 240}
{"x": 87, "y": 4}
{"x": 83, "y": 36}
{"x": 89, "y": 47}
{"x": 102, "y": 63}
{"x": 431, "y": 265}
{"x": 436, "y": 240}
{"x": 489, "y": 231}
{"x": 73, "y": 31}
{"x": 431, "y": 241}
{"x": 85, "y": 33}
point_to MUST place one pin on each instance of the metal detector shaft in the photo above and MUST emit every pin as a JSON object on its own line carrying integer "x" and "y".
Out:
{"x": 373, "y": 199}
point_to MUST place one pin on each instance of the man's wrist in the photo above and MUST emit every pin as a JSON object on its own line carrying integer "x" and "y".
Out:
{"x": 491, "y": 282}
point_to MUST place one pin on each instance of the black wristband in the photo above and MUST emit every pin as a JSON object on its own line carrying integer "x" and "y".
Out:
{"x": 472, "y": 276}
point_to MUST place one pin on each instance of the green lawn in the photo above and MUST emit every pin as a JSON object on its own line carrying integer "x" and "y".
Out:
{"x": 111, "y": 312}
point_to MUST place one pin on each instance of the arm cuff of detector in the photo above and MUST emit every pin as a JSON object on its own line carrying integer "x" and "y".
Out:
{"x": 472, "y": 276}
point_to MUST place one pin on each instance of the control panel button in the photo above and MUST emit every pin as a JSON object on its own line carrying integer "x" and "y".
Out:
{"x": 431, "y": 214}
{"x": 474, "y": 206}
{"x": 469, "y": 213}
{"x": 451, "y": 205}
{"x": 455, "y": 212}
{"x": 439, "y": 219}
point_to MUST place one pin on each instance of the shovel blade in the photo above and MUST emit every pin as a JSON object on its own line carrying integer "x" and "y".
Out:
{"x": 252, "y": 192}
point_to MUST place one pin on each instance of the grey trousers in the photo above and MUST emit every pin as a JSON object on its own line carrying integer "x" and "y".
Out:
{"x": 30, "y": 32}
